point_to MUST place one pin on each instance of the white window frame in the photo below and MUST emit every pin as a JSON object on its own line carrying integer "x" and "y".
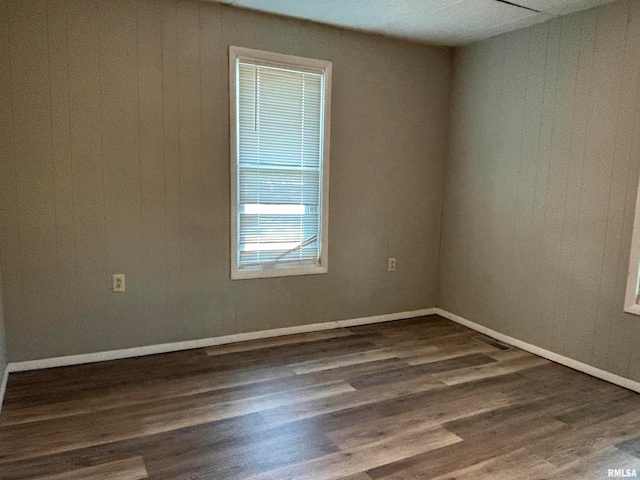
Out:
{"x": 292, "y": 62}
{"x": 631, "y": 301}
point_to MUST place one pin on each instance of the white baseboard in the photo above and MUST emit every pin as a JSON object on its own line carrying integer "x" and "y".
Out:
{"x": 242, "y": 337}
{"x": 554, "y": 357}
{"x": 3, "y": 385}
{"x": 207, "y": 342}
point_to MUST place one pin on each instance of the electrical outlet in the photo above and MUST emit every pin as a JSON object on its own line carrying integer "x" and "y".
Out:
{"x": 118, "y": 282}
{"x": 391, "y": 264}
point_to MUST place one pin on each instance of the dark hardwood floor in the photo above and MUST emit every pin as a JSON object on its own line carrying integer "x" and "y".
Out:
{"x": 412, "y": 399}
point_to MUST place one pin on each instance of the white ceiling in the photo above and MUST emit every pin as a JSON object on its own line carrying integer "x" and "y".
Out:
{"x": 440, "y": 22}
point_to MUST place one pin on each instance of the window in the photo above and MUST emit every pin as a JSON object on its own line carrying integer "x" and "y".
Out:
{"x": 279, "y": 163}
{"x": 632, "y": 297}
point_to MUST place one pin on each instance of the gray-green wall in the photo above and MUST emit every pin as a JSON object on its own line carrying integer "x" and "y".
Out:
{"x": 114, "y": 138}
{"x": 541, "y": 184}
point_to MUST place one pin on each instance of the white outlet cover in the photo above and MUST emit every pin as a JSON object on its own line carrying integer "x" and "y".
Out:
{"x": 118, "y": 284}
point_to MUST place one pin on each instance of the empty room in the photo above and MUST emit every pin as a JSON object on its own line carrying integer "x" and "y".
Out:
{"x": 319, "y": 239}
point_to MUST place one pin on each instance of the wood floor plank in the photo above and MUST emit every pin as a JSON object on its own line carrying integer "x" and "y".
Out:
{"x": 442, "y": 354}
{"x": 348, "y": 372}
{"x": 374, "y": 379}
{"x": 484, "y": 371}
{"x": 452, "y": 338}
{"x": 277, "y": 341}
{"x": 130, "y": 469}
{"x": 365, "y": 457}
{"x": 411, "y": 348}
{"x": 517, "y": 465}
{"x": 340, "y": 361}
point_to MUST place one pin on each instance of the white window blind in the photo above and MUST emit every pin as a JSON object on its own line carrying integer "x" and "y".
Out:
{"x": 279, "y": 166}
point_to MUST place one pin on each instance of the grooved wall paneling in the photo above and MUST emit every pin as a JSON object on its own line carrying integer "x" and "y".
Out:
{"x": 541, "y": 183}
{"x": 114, "y": 145}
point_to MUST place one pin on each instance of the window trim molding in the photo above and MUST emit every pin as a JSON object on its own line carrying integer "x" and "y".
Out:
{"x": 279, "y": 60}
{"x": 631, "y": 304}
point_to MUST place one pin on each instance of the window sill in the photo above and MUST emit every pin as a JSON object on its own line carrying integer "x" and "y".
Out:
{"x": 633, "y": 309}
{"x": 237, "y": 274}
